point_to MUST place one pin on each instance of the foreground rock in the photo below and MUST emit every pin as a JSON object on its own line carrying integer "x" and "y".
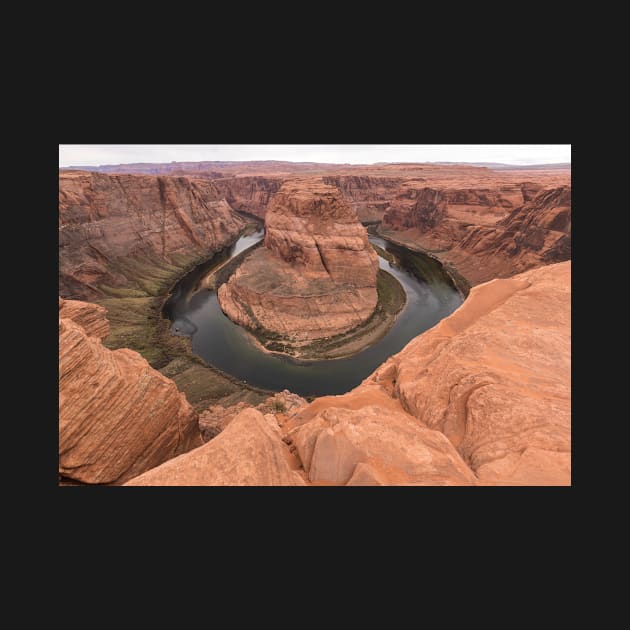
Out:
{"x": 216, "y": 417}
{"x": 495, "y": 378}
{"x": 117, "y": 416}
{"x": 91, "y": 317}
{"x": 366, "y": 438}
{"x": 315, "y": 277}
{"x": 249, "y": 452}
{"x": 120, "y": 231}
{"x": 483, "y": 398}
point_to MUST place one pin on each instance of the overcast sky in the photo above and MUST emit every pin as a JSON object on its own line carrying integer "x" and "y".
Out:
{"x": 99, "y": 154}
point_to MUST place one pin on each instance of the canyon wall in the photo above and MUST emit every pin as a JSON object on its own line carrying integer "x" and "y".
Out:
{"x": 315, "y": 277}
{"x": 482, "y": 398}
{"x": 122, "y": 231}
{"x": 118, "y": 417}
{"x": 484, "y": 234}
{"x": 535, "y": 234}
{"x": 368, "y": 195}
{"x": 249, "y": 194}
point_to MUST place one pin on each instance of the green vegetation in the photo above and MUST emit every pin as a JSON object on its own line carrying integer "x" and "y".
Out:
{"x": 427, "y": 266}
{"x": 383, "y": 253}
{"x": 277, "y": 406}
{"x": 134, "y": 314}
{"x": 391, "y": 299}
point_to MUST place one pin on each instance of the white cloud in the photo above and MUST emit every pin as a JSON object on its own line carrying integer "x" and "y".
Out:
{"x": 98, "y": 154}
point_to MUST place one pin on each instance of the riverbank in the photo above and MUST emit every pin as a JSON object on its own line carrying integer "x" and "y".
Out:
{"x": 391, "y": 300}
{"x": 462, "y": 284}
{"x": 136, "y": 322}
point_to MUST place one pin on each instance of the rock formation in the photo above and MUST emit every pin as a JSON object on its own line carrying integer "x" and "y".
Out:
{"x": 316, "y": 274}
{"x": 91, "y": 317}
{"x": 116, "y": 230}
{"x": 369, "y": 195}
{"x": 249, "y": 452}
{"x": 216, "y": 417}
{"x": 483, "y": 398}
{"x": 481, "y": 234}
{"x": 117, "y": 416}
{"x": 249, "y": 194}
{"x": 442, "y": 216}
{"x": 495, "y": 378}
{"x": 537, "y": 233}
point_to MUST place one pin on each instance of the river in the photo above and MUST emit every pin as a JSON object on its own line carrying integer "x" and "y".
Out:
{"x": 195, "y": 312}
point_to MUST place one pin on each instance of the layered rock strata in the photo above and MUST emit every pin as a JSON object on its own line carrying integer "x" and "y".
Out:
{"x": 117, "y": 416}
{"x": 482, "y": 398}
{"x": 249, "y": 194}
{"x": 368, "y": 195}
{"x": 249, "y": 452}
{"x": 118, "y": 231}
{"x": 484, "y": 235}
{"x": 537, "y": 233}
{"x": 315, "y": 277}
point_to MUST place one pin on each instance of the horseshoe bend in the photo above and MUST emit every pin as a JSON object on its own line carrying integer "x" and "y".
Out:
{"x": 285, "y": 323}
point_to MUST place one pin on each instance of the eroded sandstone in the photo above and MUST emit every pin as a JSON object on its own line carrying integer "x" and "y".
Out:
{"x": 483, "y": 398}
{"x": 484, "y": 235}
{"x": 249, "y": 452}
{"x": 117, "y": 416}
{"x": 120, "y": 231}
{"x": 315, "y": 277}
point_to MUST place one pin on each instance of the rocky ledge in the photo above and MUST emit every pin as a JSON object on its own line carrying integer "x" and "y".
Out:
{"x": 117, "y": 416}
{"x": 316, "y": 275}
{"x": 483, "y": 398}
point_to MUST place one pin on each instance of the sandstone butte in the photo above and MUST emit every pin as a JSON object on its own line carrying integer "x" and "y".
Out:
{"x": 483, "y": 398}
{"x": 119, "y": 231}
{"x": 118, "y": 417}
{"x": 315, "y": 277}
{"x": 484, "y": 234}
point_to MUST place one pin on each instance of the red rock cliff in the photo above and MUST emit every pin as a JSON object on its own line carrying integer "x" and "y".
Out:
{"x": 535, "y": 234}
{"x": 109, "y": 223}
{"x": 368, "y": 195}
{"x": 249, "y": 194}
{"x": 117, "y": 416}
{"x": 482, "y": 398}
{"x": 315, "y": 276}
{"x": 485, "y": 235}
{"x": 441, "y": 216}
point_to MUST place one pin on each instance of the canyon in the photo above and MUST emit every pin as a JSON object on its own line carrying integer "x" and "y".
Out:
{"x": 481, "y": 398}
{"x": 117, "y": 232}
{"x": 470, "y": 402}
{"x": 484, "y": 234}
{"x": 117, "y": 416}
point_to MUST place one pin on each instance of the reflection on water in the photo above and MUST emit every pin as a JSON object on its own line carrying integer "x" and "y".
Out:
{"x": 195, "y": 312}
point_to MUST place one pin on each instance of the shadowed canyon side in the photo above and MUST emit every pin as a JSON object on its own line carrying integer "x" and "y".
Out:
{"x": 117, "y": 416}
{"x": 316, "y": 275}
{"x": 483, "y": 234}
{"x": 117, "y": 232}
{"x": 124, "y": 240}
{"x": 473, "y": 401}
